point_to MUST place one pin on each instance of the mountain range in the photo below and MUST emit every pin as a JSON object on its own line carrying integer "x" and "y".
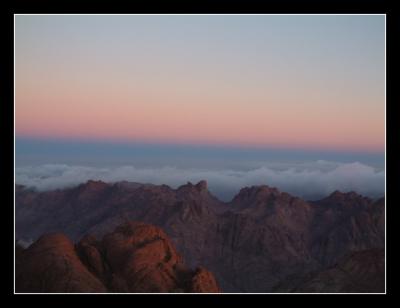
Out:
{"x": 264, "y": 240}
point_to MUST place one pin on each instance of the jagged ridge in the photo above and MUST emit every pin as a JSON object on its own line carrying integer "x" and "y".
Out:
{"x": 250, "y": 244}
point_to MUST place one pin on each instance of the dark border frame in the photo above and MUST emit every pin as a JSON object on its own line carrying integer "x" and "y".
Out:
{"x": 198, "y": 7}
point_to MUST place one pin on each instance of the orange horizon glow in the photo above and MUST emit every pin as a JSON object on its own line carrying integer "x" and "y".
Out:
{"x": 218, "y": 123}
{"x": 178, "y": 124}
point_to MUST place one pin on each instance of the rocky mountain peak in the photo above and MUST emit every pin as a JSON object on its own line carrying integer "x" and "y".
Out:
{"x": 348, "y": 195}
{"x": 91, "y": 187}
{"x": 95, "y": 184}
{"x": 202, "y": 185}
{"x": 345, "y": 199}
{"x": 249, "y": 195}
{"x": 193, "y": 190}
{"x": 136, "y": 257}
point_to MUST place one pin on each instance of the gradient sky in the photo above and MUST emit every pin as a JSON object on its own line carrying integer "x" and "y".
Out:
{"x": 303, "y": 82}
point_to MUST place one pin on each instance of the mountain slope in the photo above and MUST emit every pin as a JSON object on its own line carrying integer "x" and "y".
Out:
{"x": 358, "y": 272}
{"x": 136, "y": 258}
{"x": 251, "y": 243}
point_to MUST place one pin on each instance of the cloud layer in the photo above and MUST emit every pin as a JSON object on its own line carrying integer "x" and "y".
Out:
{"x": 310, "y": 180}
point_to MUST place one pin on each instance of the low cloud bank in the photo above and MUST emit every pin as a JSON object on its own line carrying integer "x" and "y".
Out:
{"x": 309, "y": 180}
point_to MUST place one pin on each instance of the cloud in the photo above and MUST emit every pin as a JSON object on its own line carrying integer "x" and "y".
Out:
{"x": 25, "y": 243}
{"x": 310, "y": 180}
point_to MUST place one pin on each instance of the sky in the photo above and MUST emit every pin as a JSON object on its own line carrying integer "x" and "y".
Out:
{"x": 201, "y": 92}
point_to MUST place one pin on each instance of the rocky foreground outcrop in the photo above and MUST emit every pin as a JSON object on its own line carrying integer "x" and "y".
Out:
{"x": 251, "y": 244}
{"x": 136, "y": 257}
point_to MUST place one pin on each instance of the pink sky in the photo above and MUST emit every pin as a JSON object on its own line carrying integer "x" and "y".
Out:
{"x": 76, "y": 80}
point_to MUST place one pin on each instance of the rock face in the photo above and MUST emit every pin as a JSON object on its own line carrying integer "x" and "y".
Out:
{"x": 346, "y": 222}
{"x": 135, "y": 258}
{"x": 359, "y": 272}
{"x": 51, "y": 265}
{"x": 250, "y": 244}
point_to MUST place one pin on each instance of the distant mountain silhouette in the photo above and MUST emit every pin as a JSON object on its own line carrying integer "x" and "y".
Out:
{"x": 251, "y": 244}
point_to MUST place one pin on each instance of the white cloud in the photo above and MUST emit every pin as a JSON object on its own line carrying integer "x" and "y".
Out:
{"x": 309, "y": 180}
{"x": 25, "y": 243}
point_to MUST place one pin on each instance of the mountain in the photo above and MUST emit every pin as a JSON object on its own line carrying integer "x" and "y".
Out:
{"x": 250, "y": 244}
{"x": 135, "y": 258}
{"x": 358, "y": 272}
{"x": 346, "y": 222}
